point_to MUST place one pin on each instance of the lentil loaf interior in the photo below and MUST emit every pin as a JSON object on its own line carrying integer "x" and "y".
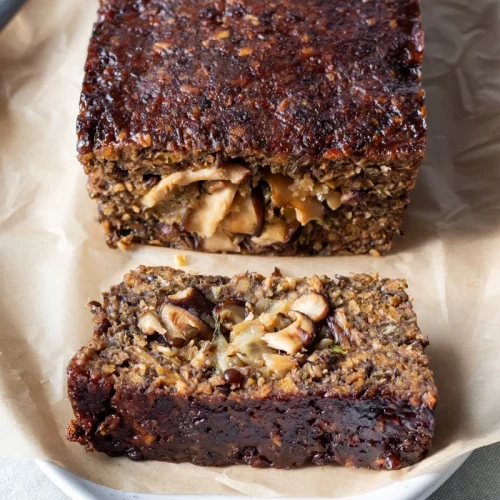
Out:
{"x": 291, "y": 127}
{"x": 268, "y": 371}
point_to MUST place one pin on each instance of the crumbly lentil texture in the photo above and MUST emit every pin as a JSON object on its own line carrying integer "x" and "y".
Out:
{"x": 325, "y": 93}
{"x": 269, "y": 371}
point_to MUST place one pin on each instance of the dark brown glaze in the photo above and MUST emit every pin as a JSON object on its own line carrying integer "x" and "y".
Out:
{"x": 367, "y": 403}
{"x": 287, "y": 432}
{"x": 293, "y": 80}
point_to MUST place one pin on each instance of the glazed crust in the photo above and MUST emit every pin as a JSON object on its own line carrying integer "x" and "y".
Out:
{"x": 297, "y": 81}
{"x": 360, "y": 394}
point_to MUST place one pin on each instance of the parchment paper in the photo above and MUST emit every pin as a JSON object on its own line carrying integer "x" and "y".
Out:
{"x": 53, "y": 256}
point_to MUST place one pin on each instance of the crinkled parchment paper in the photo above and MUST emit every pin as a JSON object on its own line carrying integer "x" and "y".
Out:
{"x": 53, "y": 256}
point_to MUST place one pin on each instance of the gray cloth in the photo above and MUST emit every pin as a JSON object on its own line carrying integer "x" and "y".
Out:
{"x": 478, "y": 478}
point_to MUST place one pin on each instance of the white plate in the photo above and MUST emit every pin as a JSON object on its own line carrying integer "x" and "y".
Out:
{"x": 418, "y": 488}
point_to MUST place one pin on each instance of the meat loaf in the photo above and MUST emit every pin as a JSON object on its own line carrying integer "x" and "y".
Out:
{"x": 268, "y": 371}
{"x": 285, "y": 127}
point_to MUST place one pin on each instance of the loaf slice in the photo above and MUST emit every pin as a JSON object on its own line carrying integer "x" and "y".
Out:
{"x": 288, "y": 127}
{"x": 268, "y": 371}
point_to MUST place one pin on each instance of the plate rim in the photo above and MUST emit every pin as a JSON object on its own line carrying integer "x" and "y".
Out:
{"x": 421, "y": 486}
